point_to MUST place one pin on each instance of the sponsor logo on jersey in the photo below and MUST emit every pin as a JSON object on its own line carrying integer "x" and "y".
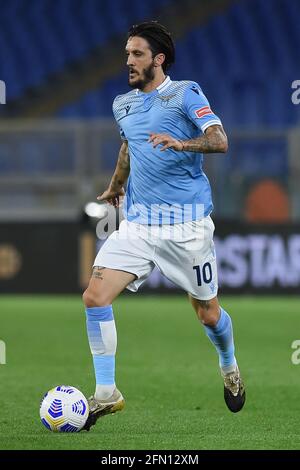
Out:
{"x": 201, "y": 112}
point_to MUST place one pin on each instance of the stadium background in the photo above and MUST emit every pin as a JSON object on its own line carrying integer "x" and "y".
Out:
{"x": 63, "y": 63}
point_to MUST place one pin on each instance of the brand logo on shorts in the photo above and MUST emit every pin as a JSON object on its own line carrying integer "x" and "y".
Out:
{"x": 212, "y": 287}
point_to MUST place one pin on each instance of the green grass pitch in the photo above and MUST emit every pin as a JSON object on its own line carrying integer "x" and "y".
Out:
{"x": 166, "y": 368}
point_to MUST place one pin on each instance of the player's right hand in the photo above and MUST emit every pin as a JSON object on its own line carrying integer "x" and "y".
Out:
{"x": 112, "y": 197}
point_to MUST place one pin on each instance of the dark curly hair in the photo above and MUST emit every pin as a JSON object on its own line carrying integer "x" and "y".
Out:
{"x": 159, "y": 39}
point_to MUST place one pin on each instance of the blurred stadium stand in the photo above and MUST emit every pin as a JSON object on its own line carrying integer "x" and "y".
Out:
{"x": 41, "y": 37}
{"x": 64, "y": 59}
{"x": 245, "y": 59}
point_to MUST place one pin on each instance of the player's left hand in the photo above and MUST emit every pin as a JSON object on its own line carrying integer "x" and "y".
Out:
{"x": 166, "y": 140}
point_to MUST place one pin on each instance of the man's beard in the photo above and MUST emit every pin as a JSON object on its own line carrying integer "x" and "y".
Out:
{"x": 148, "y": 76}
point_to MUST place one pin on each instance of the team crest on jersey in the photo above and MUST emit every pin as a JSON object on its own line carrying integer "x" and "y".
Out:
{"x": 165, "y": 99}
{"x": 201, "y": 112}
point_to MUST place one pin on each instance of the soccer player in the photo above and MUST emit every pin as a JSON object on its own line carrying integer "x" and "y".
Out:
{"x": 165, "y": 127}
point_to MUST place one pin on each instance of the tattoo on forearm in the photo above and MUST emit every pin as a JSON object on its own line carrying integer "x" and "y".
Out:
{"x": 98, "y": 273}
{"x": 122, "y": 170}
{"x": 116, "y": 182}
{"x": 214, "y": 140}
{"x": 124, "y": 161}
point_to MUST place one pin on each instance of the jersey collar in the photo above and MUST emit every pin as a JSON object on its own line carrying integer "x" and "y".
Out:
{"x": 161, "y": 88}
{"x": 164, "y": 85}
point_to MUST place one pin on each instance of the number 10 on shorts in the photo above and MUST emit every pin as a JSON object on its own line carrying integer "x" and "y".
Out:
{"x": 203, "y": 274}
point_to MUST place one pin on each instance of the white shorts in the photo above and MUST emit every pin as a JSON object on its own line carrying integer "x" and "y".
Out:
{"x": 184, "y": 253}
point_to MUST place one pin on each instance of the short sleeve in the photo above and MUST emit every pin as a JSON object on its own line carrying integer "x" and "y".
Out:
{"x": 198, "y": 108}
{"x": 116, "y": 113}
{"x": 122, "y": 135}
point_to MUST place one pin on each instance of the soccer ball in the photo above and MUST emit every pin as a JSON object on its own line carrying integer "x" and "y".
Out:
{"x": 64, "y": 409}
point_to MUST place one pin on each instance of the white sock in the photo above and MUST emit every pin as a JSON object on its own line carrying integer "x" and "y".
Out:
{"x": 229, "y": 369}
{"x": 103, "y": 392}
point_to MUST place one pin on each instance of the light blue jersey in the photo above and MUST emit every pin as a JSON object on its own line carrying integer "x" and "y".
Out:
{"x": 165, "y": 187}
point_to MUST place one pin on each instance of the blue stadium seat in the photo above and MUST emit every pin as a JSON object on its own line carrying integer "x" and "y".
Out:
{"x": 244, "y": 58}
{"x": 43, "y": 36}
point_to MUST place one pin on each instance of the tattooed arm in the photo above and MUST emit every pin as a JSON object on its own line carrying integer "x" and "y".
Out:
{"x": 214, "y": 140}
{"x": 119, "y": 178}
